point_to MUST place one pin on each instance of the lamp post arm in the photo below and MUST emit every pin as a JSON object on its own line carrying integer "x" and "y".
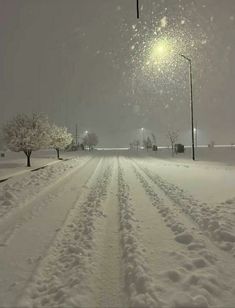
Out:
{"x": 186, "y": 58}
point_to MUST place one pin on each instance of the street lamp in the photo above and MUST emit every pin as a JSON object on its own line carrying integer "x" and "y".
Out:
{"x": 163, "y": 50}
{"x": 191, "y": 103}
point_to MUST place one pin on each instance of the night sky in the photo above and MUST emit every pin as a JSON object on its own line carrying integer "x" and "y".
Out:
{"x": 90, "y": 62}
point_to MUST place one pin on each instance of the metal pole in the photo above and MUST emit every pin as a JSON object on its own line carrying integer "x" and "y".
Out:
{"x": 192, "y": 115}
{"x": 138, "y": 9}
{"x": 191, "y": 103}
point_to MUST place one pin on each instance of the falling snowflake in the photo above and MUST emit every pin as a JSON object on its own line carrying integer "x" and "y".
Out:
{"x": 164, "y": 22}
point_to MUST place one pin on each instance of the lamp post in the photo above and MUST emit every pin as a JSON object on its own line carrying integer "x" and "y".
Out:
{"x": 137, "y": 9}
{"x": 191, "y": 103}
{"x": 162, "y": 50}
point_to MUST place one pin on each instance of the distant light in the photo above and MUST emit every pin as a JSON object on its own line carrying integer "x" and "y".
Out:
{"x": 142, "y": 129}
{"x": 86, "y": 132}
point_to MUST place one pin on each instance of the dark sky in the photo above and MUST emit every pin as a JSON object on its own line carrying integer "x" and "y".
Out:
{"x": 86, "y": 61}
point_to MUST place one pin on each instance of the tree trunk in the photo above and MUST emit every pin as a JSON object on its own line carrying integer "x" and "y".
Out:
{"x": 28, "y": 161}
{"x": 58, "y": 153}
{"x": 28, "y": 155}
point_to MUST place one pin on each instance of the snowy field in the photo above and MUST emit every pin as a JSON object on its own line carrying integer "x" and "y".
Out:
{"x": 120, "y": 229}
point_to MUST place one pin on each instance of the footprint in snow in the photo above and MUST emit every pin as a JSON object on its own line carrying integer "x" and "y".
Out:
{"x": 184, "y": 238}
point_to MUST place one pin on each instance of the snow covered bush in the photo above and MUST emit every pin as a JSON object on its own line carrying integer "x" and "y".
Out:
{"x": 59, "y": 138}
{"x": 27, "y": 133}
{"x": 90, "y": 140}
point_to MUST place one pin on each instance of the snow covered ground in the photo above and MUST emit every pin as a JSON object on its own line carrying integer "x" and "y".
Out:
{"x": 119, "y": 229}
{"x": 14, "y": 163}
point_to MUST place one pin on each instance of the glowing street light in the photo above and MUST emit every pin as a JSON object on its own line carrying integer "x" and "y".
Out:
{"x": 161, "y": 50}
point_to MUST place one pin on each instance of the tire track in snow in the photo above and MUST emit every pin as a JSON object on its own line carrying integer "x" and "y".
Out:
{"x": 60, "y": 280}
{"x": 209, "y": 221}
{"x": 107, "y": 279}
{"x": 139, "y": 282}
{"x": 205, "y": 277}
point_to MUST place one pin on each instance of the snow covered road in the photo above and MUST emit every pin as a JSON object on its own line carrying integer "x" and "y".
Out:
{"x": 110, "y": 231}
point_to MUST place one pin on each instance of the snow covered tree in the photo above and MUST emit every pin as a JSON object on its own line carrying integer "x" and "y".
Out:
{"x": 90, "y": 140}
{"x": 173, "y": 136}
{"x": 59, "y": 138}
{"x": 131, "y": 144}
{"x": 153, "y": 139}
{"x": 27, "y": 133}
{"x": 145, "y": 143}
{"x": 136, "y": 143}
{"x": 149, "y": 144}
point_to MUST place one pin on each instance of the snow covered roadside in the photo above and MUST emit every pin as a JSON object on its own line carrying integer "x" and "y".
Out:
{"x": 14, "y": 164}
{"x": 193, "y": 176}
{"x": 22, "y": 189}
